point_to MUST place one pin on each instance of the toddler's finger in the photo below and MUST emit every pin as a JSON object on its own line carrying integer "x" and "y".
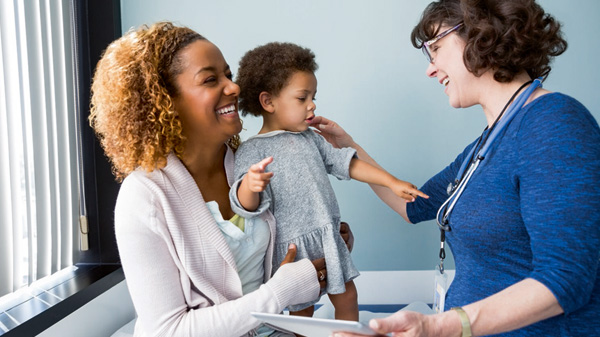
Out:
{"x": 408, "y": 197}
{"x": 416, "y": 192}
{"x": 263, "y": 163}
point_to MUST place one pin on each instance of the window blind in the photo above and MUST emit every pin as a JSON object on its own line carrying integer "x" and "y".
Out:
{"x": 38, "y": 169}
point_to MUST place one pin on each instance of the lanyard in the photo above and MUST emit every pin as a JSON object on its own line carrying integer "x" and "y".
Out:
{"x": 456, "y": 188}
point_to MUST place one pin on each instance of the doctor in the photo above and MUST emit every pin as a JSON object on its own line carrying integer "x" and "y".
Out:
{"x": 519, "y": 206}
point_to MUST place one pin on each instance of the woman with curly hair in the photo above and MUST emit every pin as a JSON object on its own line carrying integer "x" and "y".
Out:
{"x": 519, "y": 206}
{"x": 165, "y": 109}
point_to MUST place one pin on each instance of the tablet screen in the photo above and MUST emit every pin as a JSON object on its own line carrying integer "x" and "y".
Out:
{"x": 313, "y": 327}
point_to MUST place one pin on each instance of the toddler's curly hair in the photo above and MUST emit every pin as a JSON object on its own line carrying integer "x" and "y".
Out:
{"x": 132, "y": 94}
{"x": 508, "y": 36}
{"x": 268, "y": 68}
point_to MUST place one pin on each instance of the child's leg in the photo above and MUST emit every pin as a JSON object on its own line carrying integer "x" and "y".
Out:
{"x": 307, "y": 312}
{"x": 346, "y": 304}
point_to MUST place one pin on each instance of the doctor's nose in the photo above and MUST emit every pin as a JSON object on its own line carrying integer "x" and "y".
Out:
{"x": 431, "y": 70}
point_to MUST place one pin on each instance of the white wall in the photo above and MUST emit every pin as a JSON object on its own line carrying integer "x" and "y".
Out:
{"x": 372, "y": 81}
{"x": 98, "y": 318}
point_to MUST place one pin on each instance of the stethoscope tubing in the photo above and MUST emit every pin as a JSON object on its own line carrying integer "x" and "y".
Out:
{"x": 443, "y": 213}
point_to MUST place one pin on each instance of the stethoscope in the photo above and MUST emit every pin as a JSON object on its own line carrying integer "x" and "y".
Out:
{"x": 472, "y": 161}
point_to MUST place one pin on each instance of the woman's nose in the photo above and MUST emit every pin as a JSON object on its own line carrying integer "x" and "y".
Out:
{"x": 232, "y": 88}
{"x": 312, "y": 106}
{"x": 431, "y": 70}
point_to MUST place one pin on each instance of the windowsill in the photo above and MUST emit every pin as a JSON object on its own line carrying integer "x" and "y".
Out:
{"x": 41, "y": 312}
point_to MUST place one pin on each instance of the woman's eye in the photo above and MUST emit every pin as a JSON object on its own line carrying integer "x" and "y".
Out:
{"x": 229, "y": 76}
{"x": 210, "y": 80}
{"x": 302, "y": 99}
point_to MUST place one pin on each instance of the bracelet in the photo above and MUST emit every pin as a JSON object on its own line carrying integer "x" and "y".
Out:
{"x": 464, "y": 321}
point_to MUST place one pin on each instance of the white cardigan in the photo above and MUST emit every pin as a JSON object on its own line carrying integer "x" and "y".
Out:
{"x": 180, "y": 272}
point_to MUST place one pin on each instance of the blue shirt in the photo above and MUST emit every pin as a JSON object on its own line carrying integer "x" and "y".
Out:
{"x": 531, "y": 210}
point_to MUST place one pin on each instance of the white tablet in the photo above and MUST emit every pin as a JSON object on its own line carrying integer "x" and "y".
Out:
{"x": 313, "y": 327}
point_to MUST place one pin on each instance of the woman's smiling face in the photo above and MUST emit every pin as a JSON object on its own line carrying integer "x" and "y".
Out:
{"x": 448, "y": 66}
{"x": 207, "y": 98}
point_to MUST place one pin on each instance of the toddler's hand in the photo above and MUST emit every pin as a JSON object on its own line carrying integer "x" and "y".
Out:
{"x": 257, "y": 179}
{"x": 407, "y": 191}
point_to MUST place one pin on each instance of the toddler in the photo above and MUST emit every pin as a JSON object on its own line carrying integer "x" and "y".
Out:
{"x": 284, "y": 169}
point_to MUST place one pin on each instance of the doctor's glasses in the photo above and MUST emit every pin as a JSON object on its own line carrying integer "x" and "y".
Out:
{"x": 426, "y": 47}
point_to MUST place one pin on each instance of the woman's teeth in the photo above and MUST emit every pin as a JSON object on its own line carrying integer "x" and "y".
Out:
{"x": 226, "y": 110}
{"x": 445, "y": 81}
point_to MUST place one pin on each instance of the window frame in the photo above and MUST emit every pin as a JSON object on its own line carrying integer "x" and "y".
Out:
{"x": 95, "y": 24}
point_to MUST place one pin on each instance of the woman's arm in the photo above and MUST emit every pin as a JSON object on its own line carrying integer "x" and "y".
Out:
{"x": 519, "y": 305}
{"x": 159, "y": 281}
{"x": 338, "y": 137}
{"x": 558, "y": 173}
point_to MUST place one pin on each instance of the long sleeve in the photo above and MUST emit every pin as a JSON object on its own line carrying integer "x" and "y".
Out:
{"x": 247, "y": 155}
{"x": 559, "y": 180}
{"x": 530, "y": 210}
{"x": 425, "y": 209}
{"x": 180, "y": 279}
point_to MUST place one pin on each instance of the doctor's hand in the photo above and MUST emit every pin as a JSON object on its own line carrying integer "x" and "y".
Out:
{"x": 332, "y": 132}
{"x": 402, "y": 323}
{"x": 319, "y": 264}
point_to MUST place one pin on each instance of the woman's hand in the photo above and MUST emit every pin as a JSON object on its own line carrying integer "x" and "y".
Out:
{"x": 402, "y": 323}
{"x": 347, "y": 235}
{"x": 332, "y": 132}
{"x": 318, "y": 263}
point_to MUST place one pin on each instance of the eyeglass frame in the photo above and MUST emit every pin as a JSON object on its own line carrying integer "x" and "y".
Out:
{"x": 427, "y": 44}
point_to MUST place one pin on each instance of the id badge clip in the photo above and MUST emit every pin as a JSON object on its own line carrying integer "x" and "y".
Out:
{"x": 439, "y": 291}
{"x": 440, "y": 279}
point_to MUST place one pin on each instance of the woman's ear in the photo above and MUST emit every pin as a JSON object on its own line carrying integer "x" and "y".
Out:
{"x": 266, "y": 101}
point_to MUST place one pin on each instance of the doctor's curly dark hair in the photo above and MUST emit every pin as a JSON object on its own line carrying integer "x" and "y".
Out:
{"x": 508, "y": 36}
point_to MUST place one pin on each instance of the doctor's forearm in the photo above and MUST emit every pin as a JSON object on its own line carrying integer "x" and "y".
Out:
{"x": 519, "y": 305}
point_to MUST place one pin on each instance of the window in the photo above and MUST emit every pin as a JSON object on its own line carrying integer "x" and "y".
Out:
{"x": 38, "y": 179}
{"x": 53, "y": 169}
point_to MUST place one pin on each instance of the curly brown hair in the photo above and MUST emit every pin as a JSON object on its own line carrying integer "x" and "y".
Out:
{"x": 133, "y": 90}
{"x": 268, "y": 68}
{"x": 508, "y": 36}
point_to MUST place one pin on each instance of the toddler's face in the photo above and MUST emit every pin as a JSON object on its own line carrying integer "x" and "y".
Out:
{"x": 295, "y": 106}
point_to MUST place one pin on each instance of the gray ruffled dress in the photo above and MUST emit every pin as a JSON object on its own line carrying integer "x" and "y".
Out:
{"x": 301, "y": 198}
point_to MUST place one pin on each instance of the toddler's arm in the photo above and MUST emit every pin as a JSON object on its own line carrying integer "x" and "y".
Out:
{"x": 367, "y": 173}
{"x": 254, "y": 182}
